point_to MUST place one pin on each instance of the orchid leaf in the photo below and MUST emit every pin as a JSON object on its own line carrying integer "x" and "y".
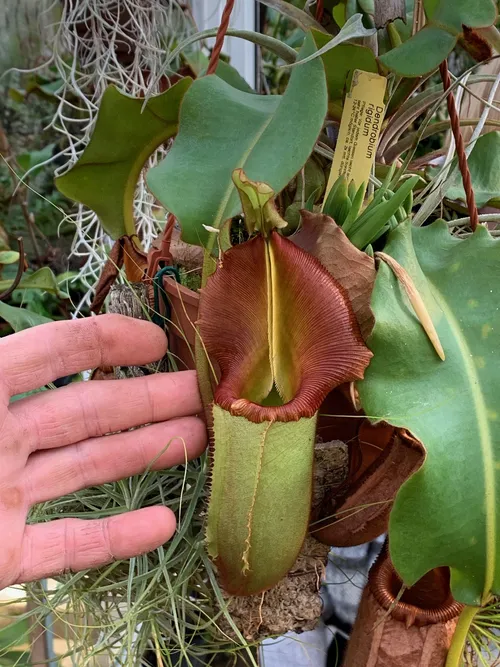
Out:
{"x": 231, "y": 76}
{"x": 127, "y": 132}
{"x": 222, "y": 129}
{"x": 456, "y": 13}
{"x": 198, "y": 63}
{"x": 340, "y": 62}
{"x": 448, "y": 512}
{"x": 420, "y": 54}
{"x": 43, "y": 279}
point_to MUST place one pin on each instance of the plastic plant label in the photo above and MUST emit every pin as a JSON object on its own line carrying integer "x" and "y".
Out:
{"x": 360, "y": 125}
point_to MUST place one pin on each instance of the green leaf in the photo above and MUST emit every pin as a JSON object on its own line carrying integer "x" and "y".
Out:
{"x": 484, "y": 165}
{"x": 66, "y": 277}
{"x": 9, "y": 256}
{"x": 422, "y": 53}
{"x": 448, "y": 512}
{"x": 276, "y": 46}
{"x": 341, "y": 61}
{"x": 20, "y": 318}
{"x": 456, "y": 13}
{"x": 30, "y": 160}
{"x": 352, "y": 29}
{"x": 298, "y": 16}
{"x": 366, "y": 229}
{"x": 295, "y": 39}
{"x": 198, "y": 62}
{"x": 127, "y": 132}
{"x": 338, "y": 14}
{"x": 222, "y": 129}
{"x": 231, "y": 76}
{"x": 43, "y": 279}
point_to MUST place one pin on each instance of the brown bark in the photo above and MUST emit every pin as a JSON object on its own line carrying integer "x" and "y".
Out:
{"x": 389, "y": 10}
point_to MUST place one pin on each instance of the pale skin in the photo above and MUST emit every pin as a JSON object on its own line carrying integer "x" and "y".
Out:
{"x": 54, "y": 443}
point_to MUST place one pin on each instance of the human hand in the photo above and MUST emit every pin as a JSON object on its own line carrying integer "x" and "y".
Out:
{"x": 51, "y": 444}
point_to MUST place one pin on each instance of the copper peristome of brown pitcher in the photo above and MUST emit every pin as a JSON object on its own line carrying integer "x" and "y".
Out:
{"x": 409, "y": 630}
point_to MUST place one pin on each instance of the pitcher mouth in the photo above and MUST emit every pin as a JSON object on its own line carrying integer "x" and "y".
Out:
{"x": 278, "y": 325}
{"x": 428, "y": 602}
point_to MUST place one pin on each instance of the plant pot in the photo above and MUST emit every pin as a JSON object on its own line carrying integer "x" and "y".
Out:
{"x": 181, "y": 325}
{"x": 414, "y": 631}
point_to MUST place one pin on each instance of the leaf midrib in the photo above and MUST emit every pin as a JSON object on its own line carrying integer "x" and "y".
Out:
{"x": 484, "y": 437}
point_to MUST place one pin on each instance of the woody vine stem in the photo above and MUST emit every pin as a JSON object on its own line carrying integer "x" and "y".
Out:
{"x": 459, "y": 143}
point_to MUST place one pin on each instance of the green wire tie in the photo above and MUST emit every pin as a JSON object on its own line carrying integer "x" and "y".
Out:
{"x": 157, "y": 318}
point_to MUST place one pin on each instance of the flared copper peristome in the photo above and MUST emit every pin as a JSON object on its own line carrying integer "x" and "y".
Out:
{"x": 413, "y": 631}
{"x": 428, "y": 602}
{"x": 273, "y": 318}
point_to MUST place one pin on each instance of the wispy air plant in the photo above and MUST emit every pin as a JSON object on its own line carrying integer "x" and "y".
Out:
{"x": 90, "y": 45}
{"x": 283, "y": 334}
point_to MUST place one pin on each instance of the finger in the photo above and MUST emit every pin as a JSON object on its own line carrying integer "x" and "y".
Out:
{"x": 32, "y": 358}
{"x": 88, "y": 409}
{"x": 76, "y": 544}
{"x": 57, "y": 472}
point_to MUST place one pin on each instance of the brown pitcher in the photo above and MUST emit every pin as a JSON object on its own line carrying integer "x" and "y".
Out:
{"x": 409, "y": 630}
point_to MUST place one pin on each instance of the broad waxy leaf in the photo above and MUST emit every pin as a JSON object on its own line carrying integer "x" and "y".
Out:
{"x": 448, "y": 512}
{"x": 126, "y": 133}
{"x": 20, "y": 318}
{"x": 423, "y": 52}
{"x": 340, "y": 62}
{"x": 221, "y": 129}
{"x": 9, "y": 257}
{"x": 484, "y": 165}
{"x": 453, "y": 14}
{"x": 283, "y": 334}
{"x": 198, "y": 63}
{"x": 43, "y": 279}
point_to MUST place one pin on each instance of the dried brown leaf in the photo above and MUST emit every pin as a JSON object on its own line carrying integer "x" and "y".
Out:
{"x": 354, "y": 269}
